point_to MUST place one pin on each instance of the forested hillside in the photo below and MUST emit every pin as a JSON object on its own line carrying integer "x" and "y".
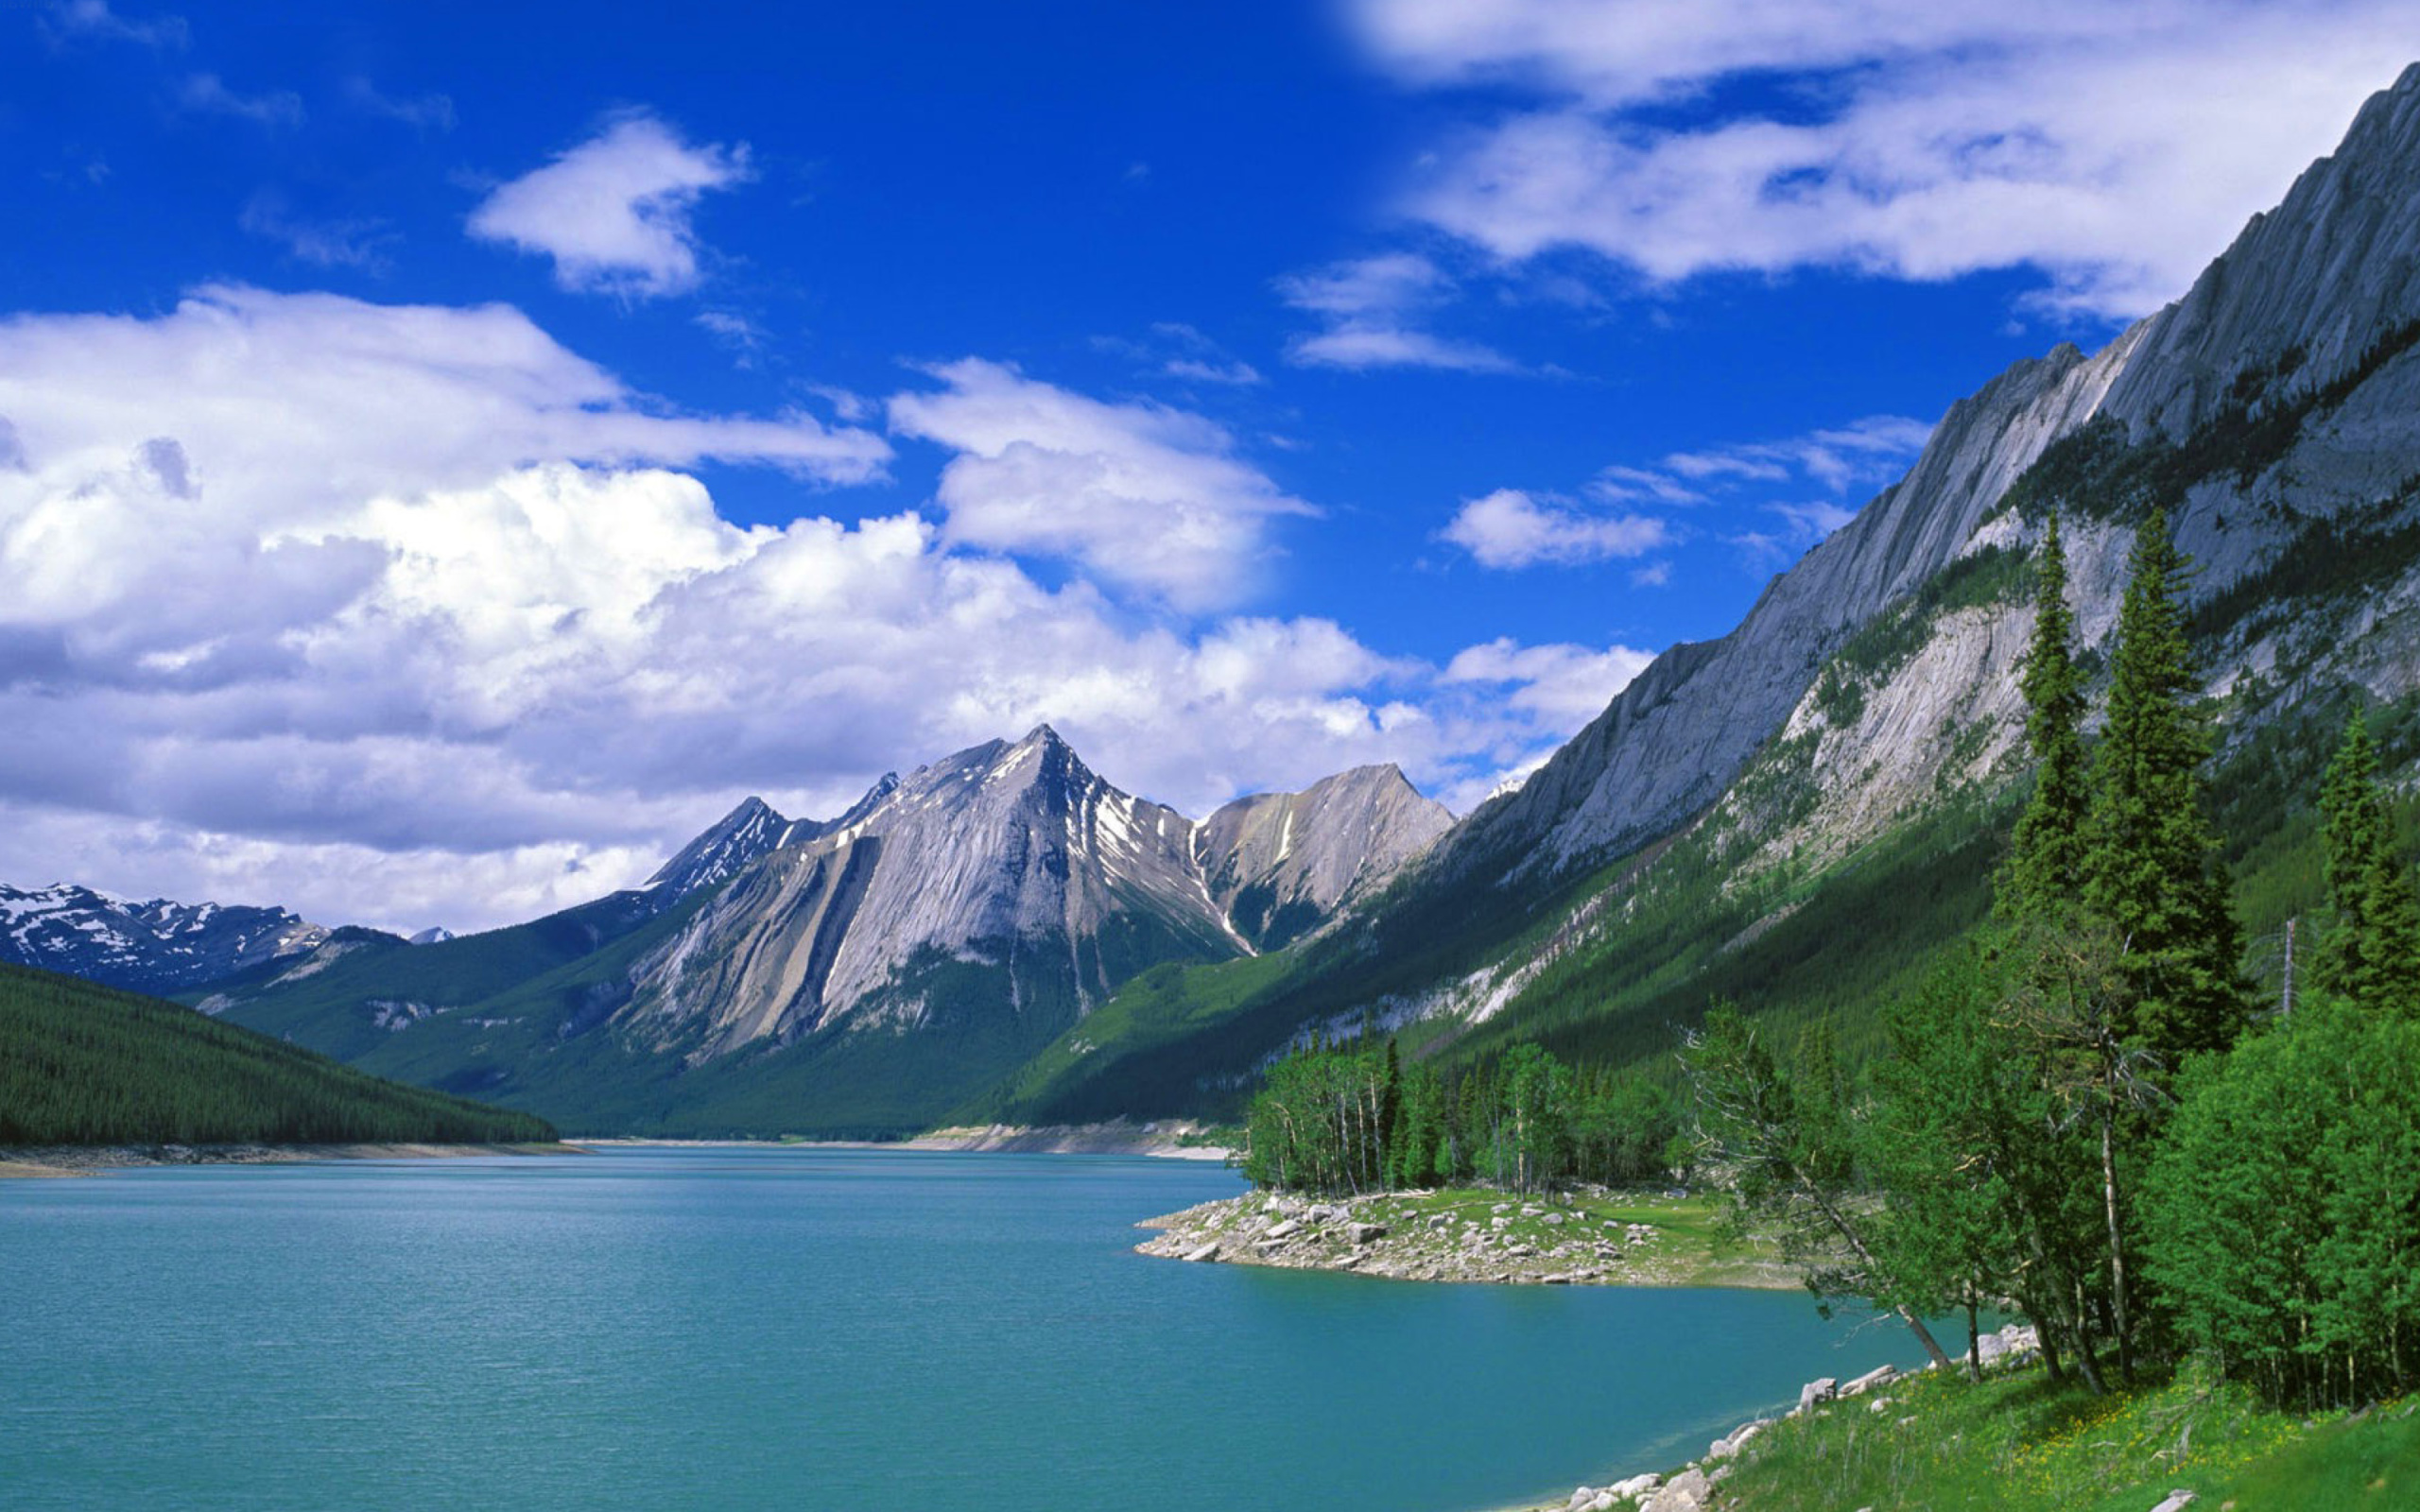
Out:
{"x": 83, "y": 1064}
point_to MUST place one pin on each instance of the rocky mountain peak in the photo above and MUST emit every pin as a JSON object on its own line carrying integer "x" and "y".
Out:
{"x": 738, "y": 838}
{"x": 157, "y": 945}
{"x": 2305, "y": 290}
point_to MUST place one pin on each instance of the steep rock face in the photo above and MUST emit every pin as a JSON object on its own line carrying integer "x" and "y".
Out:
{"x": 2307, "y": 288}
{"x": 1672, "y": 741}
{"x": 1280, "y": 863}
{"x": 1006, "y": 879}
{"x": 734, "y": 841}
{"x": 2326, "y": 272}
{"x": 157, "y": 946}
{"x": 1014, "y": 857}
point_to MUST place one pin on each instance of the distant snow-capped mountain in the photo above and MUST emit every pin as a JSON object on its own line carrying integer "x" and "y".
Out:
{"x": 157, "y": 946}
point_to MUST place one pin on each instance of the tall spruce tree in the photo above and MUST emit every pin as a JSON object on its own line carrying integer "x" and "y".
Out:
{"x": 2371, "y": 951}
{"x": 2149, "y": 864}
{"x": 2046, "y": 863}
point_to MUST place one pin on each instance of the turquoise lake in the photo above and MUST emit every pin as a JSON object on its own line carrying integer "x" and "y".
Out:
{"x": 670, "y": 1329}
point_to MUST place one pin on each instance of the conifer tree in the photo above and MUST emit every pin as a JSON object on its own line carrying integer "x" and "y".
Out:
{"x": 2046, "y": 863}
{"x": 2371, "y": 952}
{"x": 2150, "y": 867}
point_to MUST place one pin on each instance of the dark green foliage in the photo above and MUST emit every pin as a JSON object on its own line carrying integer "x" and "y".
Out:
{"x": 2149, "y": 861}
{"x": 1349, "y": 1119}
{"x": 2371, "y": 951}
{"x": 2283, "y": 1209}
{"x": 1987, "y": 1184}
{"x": 1782, "y": 1135}
{"x": 83, "y": 1064}
{"x": 2046, "y": 864}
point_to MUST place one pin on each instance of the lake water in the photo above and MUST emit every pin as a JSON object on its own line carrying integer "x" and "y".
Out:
{"x": 806, "y": 1329}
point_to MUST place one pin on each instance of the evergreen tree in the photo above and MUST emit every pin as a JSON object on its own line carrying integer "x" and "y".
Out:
{"x": 2149, "y": 867}
{"x": 1785, "y": 1168}
{"x": 2371, "y": 952}
{"x": 2046, "y": 863}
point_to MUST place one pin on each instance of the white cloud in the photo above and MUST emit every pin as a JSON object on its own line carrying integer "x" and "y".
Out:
{"x": 1373, "y": 310}
{"x": 2115, "y": 148}
{"x": 408, "y": 615}
{"x": 1233, "y": 373}
{"x": 1508, "y": 528}
{"x": 209, "y": 92}
{"x": 1148, "y": 497}
{"x": 94, "y": 19}
{"x": 1513, "y": 528}
{"x": 615, "y": 211}
{"x": 1179, "y": 350}
{"x": 423, "y": 112}
{"x": 1569, "y": 685}
{"x": 351, "y": 243}
{"x": 1871, "y": 449}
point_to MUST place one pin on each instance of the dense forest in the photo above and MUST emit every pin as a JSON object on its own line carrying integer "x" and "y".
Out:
{"x": 1348, "y": 1119}
{"x": 2086, "y": 1113}
{"x": 85, "y": 1064}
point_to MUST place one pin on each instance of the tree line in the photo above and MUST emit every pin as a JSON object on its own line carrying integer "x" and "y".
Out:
{"x": 1349, "y": 1118}
{"x": 85, "y": 1064}
{"x": 2086, "y": 1113}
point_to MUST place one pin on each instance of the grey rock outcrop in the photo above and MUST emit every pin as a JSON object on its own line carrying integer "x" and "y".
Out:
{"x": 1280, "y": 863}
{"x": 2323, "y": 277}
{"x": 1011, "y": 864}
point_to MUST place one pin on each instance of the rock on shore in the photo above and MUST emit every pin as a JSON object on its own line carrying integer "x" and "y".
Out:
{"x": 1459, "y": 1236}
{"x": 1692, "y": 1489}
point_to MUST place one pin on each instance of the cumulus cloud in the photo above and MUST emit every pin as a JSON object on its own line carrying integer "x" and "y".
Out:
{"x": 1510, "y": 528}
{"x": 1146, "y": 496}
{"x": 1568, "y": 684}
{"x": 410, "y": 615}
{"x": 1373, "y": 311}
{"x": 2115, "y": 148}
{"x": 614, "y": 213}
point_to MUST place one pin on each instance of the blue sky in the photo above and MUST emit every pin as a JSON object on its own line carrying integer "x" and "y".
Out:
{"x": 450, "y": 453}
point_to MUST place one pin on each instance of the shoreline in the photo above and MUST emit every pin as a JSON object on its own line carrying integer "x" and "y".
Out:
{"x": 1691, "y": 1488}
{"x": 1162, "y": 1140}
{"x": 1590, "y": 1238}
{"x": 61, "y": 1160}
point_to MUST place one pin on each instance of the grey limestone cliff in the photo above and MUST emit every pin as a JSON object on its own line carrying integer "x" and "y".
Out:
{"x": 2306, "y": 295}
{"x": 1008, "y": 878}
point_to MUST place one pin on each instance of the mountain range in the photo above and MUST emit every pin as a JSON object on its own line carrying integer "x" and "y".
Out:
{"x": 1796, "y": 817}
{"x": 905, "y": 954}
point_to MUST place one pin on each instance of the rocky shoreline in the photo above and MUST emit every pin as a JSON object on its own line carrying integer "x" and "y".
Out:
{"x": 88, "y": 1159}
{"x": 1584, "y": 1239}
{"x": 1692, "y": 1489}
{"x": 1168, "y": 1140}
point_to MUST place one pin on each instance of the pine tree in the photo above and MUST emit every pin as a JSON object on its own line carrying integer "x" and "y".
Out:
{"x": 2371, "y": 951}
{"x": 2046, "y": 863}
{"x": 2150, "y": 865}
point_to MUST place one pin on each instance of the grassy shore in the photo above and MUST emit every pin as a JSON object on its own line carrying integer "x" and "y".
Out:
{"x": 1477, "y": 1234}
{"x": 2018, "y": 1442}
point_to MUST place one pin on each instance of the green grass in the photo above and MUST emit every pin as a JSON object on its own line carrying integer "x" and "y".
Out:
{"x": 1691, "y": 1248}
{"x": 2018, "y": 1442}
{"x": 85, "y": 1064}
